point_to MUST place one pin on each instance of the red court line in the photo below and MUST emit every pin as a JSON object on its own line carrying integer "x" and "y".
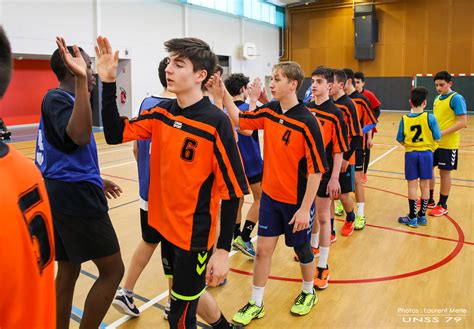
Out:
{"x": 444, "y": 261}
{"x": 410, "y": 232}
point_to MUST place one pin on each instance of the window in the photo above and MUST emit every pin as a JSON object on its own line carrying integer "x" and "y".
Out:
{"x": 258, "y": 10}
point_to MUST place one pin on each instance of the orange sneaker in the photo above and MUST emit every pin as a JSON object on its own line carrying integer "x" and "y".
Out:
{"x": 333, "y": 237}
{"x": 438, "y": 211}
{"x": 347, "y": 228}
{"x": 321, "y": 278}
{"x": 315, "y": 253}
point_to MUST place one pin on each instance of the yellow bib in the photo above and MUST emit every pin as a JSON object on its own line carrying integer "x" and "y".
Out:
{"x": 418, "y": 134}
{"x": 446, "y": 117}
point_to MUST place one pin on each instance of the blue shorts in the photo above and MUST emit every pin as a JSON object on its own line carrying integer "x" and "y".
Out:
{"x": 418, "y": 164}
{"x": 274, "y": 217}
{"x": 445, "y": 159}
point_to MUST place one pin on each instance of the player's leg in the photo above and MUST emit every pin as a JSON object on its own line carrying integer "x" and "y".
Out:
{"x": 65, "y": 282}
{"x": 346, "y": 180}
{"x": 101, "y": 294}
{"x": 243, "y": 242}
{"x": 271, "y": 226}
{"x": 305, "y": 301}
{"x": 123, "y": 301}
{"x": 412, "y": 173}
{"x": 323, "y": 205}
{"x": 447, "y": 161}
{"x": 360, "y": 220}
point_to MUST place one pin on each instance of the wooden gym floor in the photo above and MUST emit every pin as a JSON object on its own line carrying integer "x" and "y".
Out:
{"x": 386, "y": 276}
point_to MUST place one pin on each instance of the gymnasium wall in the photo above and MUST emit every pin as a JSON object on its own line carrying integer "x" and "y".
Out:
{"x": 139, "y": 27}
{"x": 30, "y": 81}
{"x": 415, "y": 36}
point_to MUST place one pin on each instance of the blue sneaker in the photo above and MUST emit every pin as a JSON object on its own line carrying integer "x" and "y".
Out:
{"x": 422, "y": 221}
{"x": 407, "y": 221}
{"x": 245, "y": 247}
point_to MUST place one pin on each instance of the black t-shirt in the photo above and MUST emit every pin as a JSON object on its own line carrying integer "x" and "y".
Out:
{"x": 81, "y": 199}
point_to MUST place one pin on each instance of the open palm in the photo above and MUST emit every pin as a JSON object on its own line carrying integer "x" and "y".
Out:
{"x": 107, "y": 61}
{"x": 77, "y": 65}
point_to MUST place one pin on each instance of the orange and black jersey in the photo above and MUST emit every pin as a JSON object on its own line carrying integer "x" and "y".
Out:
{"x": 334, "y": 128}
{"x": 364, "y": 109}
{"x": 293, "y": 148}
{"x": 194, "y": 163}
{"x": 351, "y": 117}
{"x": 26, "y": 245}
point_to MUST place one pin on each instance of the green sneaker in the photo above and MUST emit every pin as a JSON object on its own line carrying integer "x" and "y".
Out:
{"x": 338, "y": 208}
{"x": 359, "y": 223}
{"x": 304, "y": 303}
{"x": 245, "y": 247}
{"x": 248, "y": 313}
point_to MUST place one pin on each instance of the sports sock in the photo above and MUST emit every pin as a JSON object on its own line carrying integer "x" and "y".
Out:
{"x": 257, "y": 295}
{"x": 315, "y": 240}
{"x": 423, "y": 207}
{"x": 360, "y": 209}
{"x": 248, "y": 228}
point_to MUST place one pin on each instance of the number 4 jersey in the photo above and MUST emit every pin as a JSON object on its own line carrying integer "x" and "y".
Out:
{"x": 419, "y": 132}
{"x": 26, "y": 245}
{"x": 293, "y": 148}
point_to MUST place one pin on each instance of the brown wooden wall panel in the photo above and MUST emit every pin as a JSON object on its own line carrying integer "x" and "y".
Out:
{"x": 415, "y": 36}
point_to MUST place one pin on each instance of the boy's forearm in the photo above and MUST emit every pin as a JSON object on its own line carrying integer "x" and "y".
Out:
{"x": 232, "y": 109}
{"x": 79, "y": 127}
{"x": 311, "y": 189}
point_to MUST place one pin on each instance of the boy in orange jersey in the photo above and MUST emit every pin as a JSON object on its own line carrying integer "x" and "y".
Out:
{"x": 335, "y": 142}
{"x": 194, "y": 158}
{"x": 293, "y": 161}
{"x": 26, "y": 237}
{"x": 348, "y": 108}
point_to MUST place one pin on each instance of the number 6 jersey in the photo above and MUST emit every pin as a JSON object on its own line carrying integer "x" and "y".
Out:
{"x": 194, "y": 163}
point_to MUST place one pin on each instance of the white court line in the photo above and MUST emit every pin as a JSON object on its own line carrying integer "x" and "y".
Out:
{"x": 383, "y": 155}
{"x": 150, "y": 303}
{"x": 116, "y": 150}
{"x": 118, "y": 165}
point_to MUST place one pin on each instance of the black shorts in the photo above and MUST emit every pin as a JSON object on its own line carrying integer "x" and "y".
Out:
{"x": 255, "y": 179}
{"x": 149, "y": 234}
{"x": 360, "y": 157}
{"x": 187, "y": 268}
{"x": 80, "y": 239}
{"x": 446, "y": 159}
{"x": 346, "y": 180}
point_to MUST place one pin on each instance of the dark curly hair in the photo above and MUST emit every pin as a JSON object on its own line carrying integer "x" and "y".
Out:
{"x": 235, "y": 82}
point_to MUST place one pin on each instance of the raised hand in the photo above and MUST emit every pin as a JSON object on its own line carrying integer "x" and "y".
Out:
{"x": 215, "y": 87}
{"x": 76, "y": 65}
{"x": 263, "y": 97}
{"x": 255, "y": 89}
{"x": 107, "y": 62}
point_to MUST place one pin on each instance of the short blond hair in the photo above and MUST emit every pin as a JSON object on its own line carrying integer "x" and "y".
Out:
{"x": 291, "y": 70}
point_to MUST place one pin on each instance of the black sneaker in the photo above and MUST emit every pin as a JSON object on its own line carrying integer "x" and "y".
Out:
{"x": 125, "y": 304}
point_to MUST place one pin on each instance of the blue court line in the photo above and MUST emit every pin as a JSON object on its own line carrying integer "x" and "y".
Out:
{"x": 78, "y": 313}
{"x": 140, "y": 298}
{"x": 401, "y": 173}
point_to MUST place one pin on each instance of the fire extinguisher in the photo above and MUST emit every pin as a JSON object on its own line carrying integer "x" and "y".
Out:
{"x": 123, "y": 95}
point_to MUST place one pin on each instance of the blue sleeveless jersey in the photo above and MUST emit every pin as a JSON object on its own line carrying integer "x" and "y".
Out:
{"x": 144, "y": 148}
{"x": 249, "y": 147}
{"x": 79, "y": 165}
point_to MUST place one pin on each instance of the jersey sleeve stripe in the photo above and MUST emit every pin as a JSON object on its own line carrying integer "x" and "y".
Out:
{"x": 314, "y": 139}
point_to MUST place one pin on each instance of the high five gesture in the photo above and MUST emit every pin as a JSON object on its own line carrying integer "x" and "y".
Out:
{"x": 107, "y": 60}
